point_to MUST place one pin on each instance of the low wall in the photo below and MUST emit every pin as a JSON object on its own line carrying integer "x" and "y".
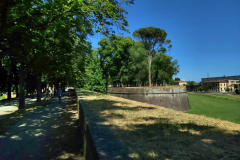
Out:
{"x": 169, "y": 97}
{"x": 98, "y": 142}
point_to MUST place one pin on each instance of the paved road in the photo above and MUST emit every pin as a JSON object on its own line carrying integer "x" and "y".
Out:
{"x": 9, "y": 106}
{"x": 37, "y": 135}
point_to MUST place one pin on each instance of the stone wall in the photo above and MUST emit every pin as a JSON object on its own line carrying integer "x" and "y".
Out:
{"x": 98, "y": 142}
{"x": 169, "y": 97}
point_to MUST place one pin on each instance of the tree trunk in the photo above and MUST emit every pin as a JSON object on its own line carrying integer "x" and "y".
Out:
{"x": 149, "y": 70}
{"x": 22, "y": 74}
{"x": 39, "y": 92}
{"x": 16, "y": 86}
{"x": 121, "y": 83}
{"x": 9, "y": 86}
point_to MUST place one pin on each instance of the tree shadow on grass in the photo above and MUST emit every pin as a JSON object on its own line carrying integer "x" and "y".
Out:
{"x": 164, "y": 139}
{"x": 47, "y": 133}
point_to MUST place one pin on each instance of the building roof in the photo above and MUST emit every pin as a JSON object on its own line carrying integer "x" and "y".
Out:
{"x": 229, "y": 85}
{"x": 180, "y": 81}
{"x": 219, "y": 81}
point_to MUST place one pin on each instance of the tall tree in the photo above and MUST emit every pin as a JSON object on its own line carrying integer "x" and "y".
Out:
{"x": 153, "y": 39}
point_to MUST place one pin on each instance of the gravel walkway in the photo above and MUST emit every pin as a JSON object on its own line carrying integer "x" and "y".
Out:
{"x": 49, "y": 132}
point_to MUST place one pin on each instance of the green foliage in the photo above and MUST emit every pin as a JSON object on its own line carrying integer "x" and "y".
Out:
{"x": 207, "y": 86}
{"x": 94, "y": 79}
{"x": 49, "y": 38}
{"x": 114, "y": 57}
{"x": 200, "y": 88}
{"x": 163, "y": 68}
{"x": 191, "y": 83}
{"x": 227, "y": 89}
{"x": 172, "y": 81}
{"x": 235, "y": 86}
{"x": 138, "y": 64}
{"x": 177, "y": 79}
{"x": 153, "y": 39}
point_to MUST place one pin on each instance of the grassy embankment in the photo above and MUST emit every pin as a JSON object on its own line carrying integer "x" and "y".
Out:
{"x": 219, "y": 106}
{"x": 153, "y": 132}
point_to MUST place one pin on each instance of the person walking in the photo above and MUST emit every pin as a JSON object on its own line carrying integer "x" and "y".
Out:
{"x": 59, "y": 93}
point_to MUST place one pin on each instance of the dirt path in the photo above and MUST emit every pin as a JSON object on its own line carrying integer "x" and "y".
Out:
{"x": 49, "y": 132}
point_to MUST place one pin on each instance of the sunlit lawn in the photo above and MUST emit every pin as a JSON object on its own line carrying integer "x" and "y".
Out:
{"x": 153, "y": 132}
{"x": 2, "y": 97}
{"x": 220, "y": 106}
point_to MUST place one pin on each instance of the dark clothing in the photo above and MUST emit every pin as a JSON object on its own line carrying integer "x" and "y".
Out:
{"x": 60, "y": 98}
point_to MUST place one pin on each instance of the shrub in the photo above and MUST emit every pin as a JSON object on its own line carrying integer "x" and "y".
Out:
{"x": 227, "y": 89}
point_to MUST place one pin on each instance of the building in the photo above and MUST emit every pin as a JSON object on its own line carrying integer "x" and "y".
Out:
{"x": 180, "y": 83}
{"x": 221, "y": 85}
{"x": 223, "y": 78}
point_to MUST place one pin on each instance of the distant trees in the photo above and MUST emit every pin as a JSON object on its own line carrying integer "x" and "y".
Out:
{"x": 138, "y": 65}
{"x": 125, "y": 62}
{"x": 94, "y": 79}
{"x": 191, "y": 83}
{"x": 163, "y": 68}
{"x": 207, "y": 86}
{"x": 177, "y": 79}
{"x": 200, "y": 86}
{"x": 152, "y": 39}
{"x": 115, "y": 58}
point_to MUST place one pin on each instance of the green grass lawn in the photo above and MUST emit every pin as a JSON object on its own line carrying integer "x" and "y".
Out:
{"x": 2, "y": 97}
{"x": 219, "y": 106}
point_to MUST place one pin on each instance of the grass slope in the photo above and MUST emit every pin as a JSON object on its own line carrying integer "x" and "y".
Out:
{"x": 219, "y": 106}
{"x": 152, "y": 132}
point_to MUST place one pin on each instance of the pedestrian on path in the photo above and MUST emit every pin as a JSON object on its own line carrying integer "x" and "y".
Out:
{"x": 59, "y": 93}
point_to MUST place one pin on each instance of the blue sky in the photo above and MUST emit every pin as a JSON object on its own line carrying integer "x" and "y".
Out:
{"x": 205, "y": 34}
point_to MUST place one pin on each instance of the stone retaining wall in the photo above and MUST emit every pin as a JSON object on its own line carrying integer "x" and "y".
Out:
{"x": 169, "y": 97}
{"x": 98, "y": 142}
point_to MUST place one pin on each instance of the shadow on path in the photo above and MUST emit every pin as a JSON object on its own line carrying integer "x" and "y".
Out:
{"x": 46, "y": 133}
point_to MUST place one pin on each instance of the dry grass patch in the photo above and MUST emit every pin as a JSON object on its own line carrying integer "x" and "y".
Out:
{"x": 153, "y": 132}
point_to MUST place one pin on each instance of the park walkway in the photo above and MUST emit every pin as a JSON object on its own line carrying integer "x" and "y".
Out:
{"x": 9, "y": 106}
{"x": 49, "y": 132}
